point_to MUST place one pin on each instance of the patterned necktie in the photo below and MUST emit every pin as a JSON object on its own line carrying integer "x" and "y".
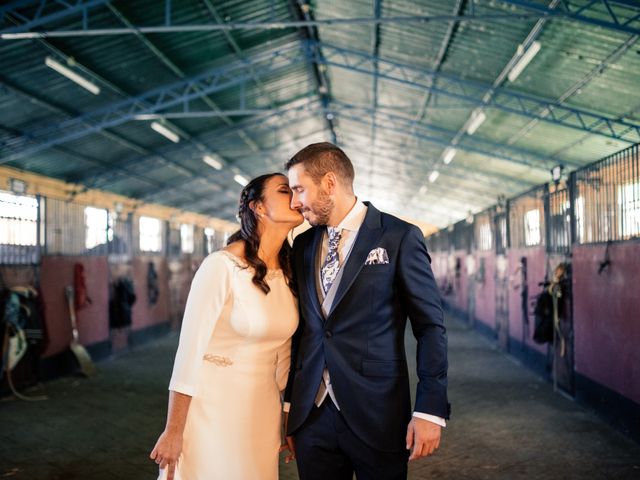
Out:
{"x": 331, "y": 266}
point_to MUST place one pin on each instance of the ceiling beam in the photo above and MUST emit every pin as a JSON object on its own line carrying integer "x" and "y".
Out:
{"x": 301, "y": 10}
{"x": 577, "y": 87}
{"x": 165, "y": 97}
{"x": 126, "y": 172}
{"x": 375, "y": 52}
{"x": 180, "y": 74}
{"x": 442, "y": 53}
{"x": 283, "y": 117}
{"x": 17, "y": 33}
{"x": 152, "y": 101}
{"x": 493, "y": 181}
{"x": 440, "y": 136}
{"x": 503, "y": 99}
{"x": 287, "y": 117}
{"x": 619, "y": 15}
{"x": 47, "y": 11}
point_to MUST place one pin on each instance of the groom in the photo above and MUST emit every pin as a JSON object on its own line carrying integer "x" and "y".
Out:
{"x": 360, "y": 273}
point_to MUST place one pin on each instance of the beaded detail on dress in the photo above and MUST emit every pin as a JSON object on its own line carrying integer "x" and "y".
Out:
{"x": 217, "y": 359}
{"x": 271, "y": 273}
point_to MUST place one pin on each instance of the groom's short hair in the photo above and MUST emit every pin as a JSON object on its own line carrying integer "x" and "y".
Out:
{"x": 320, "y": 158}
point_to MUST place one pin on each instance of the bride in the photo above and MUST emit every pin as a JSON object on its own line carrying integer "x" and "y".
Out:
{"x": 224, "y": 414}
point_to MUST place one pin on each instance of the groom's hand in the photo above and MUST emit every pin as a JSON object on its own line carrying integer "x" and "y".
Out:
{"x": 423, "y": 437}
{"x": 288, "y": 443}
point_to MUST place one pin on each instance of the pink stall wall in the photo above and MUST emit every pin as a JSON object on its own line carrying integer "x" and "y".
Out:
{"x": 607, "y": 318}
{"x": 144, "y": 314}
{"x": 439, "y": 267}
{"x": 486, "y": 290}
{"x": 460, "y": 283}
{"x": 93, "y": 321}
{"x": 181, "y": 275}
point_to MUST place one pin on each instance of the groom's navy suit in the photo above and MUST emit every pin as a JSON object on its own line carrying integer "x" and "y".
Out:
{"x": 361, "y": 340}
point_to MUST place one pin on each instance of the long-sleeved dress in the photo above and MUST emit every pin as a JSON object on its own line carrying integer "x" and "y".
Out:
{"x": 233, "y": 360}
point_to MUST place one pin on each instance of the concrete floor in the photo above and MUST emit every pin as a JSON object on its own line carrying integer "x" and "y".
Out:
{"x": 507, "y": 423}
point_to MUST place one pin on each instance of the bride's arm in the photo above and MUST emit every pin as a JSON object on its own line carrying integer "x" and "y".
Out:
{"x": 169, "y": 445}
{"x": 282, "y": 375}
{"x": 208, "y": 293}
{"x": 282, "y": 366}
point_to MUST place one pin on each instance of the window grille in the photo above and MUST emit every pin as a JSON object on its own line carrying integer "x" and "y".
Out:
{"x": 607, "y": 201}
{"x": 19, "y": 229}
{"x": 526, "y": 219}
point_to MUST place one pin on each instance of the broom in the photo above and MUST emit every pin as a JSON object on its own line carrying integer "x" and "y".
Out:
{"x": 87, "y": 366}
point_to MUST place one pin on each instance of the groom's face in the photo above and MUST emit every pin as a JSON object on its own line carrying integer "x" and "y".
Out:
{"x": 309, "y": 198}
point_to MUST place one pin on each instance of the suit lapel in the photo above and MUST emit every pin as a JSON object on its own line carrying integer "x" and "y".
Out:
{"x": 309, "y": 266}
{"x": 368, "y": 235}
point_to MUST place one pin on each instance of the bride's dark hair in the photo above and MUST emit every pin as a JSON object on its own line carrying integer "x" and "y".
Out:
{"x": 248, "y": 233}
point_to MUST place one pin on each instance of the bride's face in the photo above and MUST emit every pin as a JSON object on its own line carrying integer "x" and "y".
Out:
{"x": 276, "y": 203}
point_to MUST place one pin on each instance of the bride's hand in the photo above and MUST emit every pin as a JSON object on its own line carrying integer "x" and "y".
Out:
{"x": 289, "y": 445}
{"x": 167, "y": 451}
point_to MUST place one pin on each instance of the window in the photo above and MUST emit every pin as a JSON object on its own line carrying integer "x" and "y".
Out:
{"x": 96, "y": 221}
{"x": 485, "y": 237}
{"x": 186, "y": 238}
{"x": 150, "y": 234}
{"x": 629, "y": 210}
{"x": 532, "y": 228}
{"x": 210, "y": 235}
{"x": 18, "y": 219}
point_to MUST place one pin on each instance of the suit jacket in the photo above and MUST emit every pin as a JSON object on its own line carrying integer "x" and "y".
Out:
{"x": 361, "y": 341}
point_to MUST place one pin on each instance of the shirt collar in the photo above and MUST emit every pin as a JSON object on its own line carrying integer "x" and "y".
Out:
{"x": 354, "y": 218}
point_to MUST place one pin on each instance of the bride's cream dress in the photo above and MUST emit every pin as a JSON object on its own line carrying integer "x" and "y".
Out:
{"x": 233, "y": 359}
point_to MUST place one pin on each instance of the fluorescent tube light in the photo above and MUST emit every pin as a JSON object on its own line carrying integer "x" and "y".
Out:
{"x": 241, "y": 180}
{"x": 434, "y": 176}
{"x": 71, "y": 75}
{"x": 164, "y": 131}
{"x": 449, "y": 153}
{"x": 148, "y": 116}
{"x": 524, "y": 60}
{"x": 212, "y": 162}
{"x": 21, "y": 36}
{"x": 477, "y": 118}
